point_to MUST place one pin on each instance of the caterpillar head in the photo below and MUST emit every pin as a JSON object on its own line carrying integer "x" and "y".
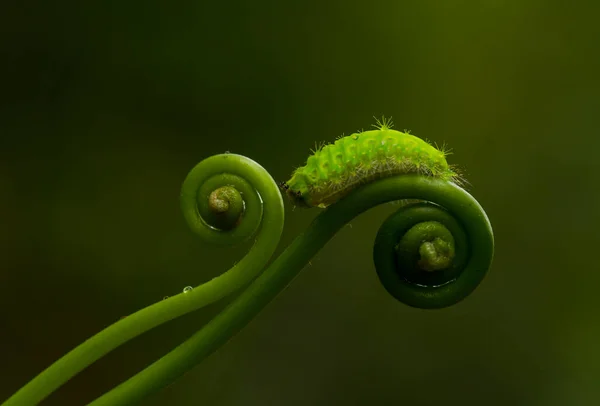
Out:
{"x": 295, "y": 196}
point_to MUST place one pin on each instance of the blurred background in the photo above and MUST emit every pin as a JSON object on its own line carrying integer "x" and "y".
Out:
{"x": 106, "y": 106}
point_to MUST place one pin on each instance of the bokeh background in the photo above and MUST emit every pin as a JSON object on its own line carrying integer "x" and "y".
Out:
{"x": 105, "y": 107}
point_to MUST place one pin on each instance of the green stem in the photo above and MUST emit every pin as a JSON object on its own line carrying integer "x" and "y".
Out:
{"x": 220, "y": 204}
{"x": 209, "y": 175}
{"x": 459, "y": 207}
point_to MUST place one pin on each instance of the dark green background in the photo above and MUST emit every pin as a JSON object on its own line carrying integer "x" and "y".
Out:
{"x": 105, "y": 107}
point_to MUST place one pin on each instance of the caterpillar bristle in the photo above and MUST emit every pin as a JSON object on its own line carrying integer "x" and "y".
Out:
{"x": 384, "y": 123}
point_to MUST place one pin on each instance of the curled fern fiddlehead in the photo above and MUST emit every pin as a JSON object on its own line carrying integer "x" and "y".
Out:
{"x": 226, "y": 198}
{"x": 430, "y": 254}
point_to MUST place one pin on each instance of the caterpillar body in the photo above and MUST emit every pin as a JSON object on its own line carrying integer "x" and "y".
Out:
{"x": 335, "y": 170}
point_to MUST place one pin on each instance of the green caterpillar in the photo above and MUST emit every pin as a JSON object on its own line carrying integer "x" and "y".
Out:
{"x": 335, "y": 170}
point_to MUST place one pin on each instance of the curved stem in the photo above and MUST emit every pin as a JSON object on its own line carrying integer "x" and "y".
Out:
{"x": 282, "y": 271}
{"x": 143, "y": 320}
